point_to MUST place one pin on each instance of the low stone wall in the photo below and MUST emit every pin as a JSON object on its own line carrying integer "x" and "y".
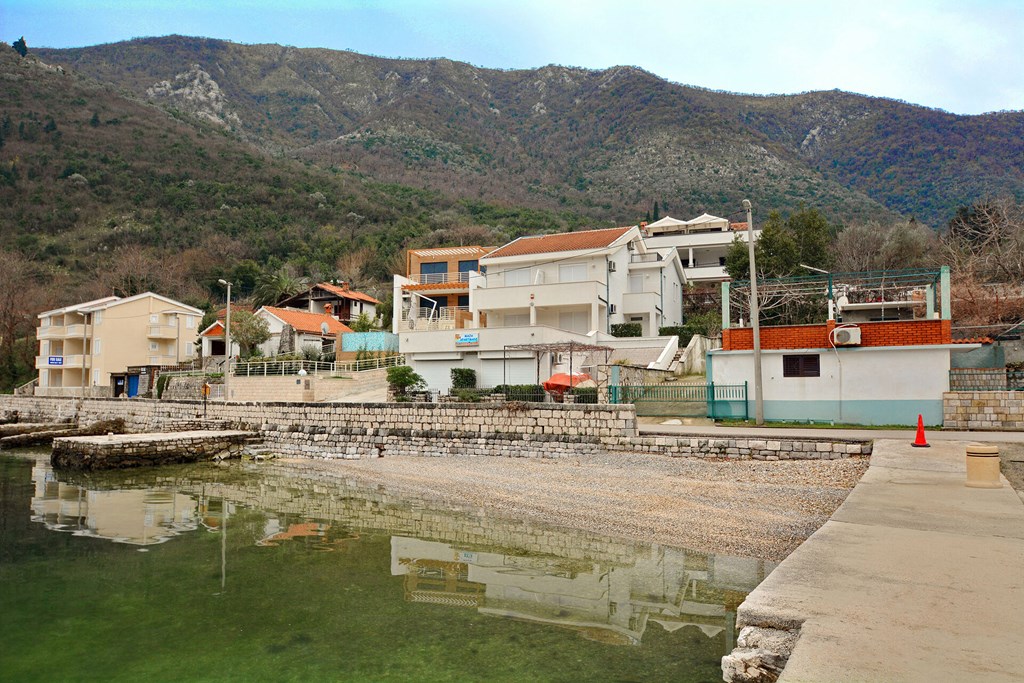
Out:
{"x": 117, "y": 452}
{"x": 994, "y": 410}
{"x": 366, "y": 430}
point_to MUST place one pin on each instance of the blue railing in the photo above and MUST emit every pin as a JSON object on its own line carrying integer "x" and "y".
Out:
{"x": 722, "y": 400}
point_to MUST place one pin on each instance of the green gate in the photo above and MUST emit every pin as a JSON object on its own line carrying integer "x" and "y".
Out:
{"x": 684, "y": 400}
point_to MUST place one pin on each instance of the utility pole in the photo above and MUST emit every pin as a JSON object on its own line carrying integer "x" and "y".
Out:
{"x": 227, "y": 344}
{"x": 755, "y": 320}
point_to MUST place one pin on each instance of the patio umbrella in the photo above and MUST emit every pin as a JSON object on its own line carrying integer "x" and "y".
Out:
{"x": 560, "y": 382}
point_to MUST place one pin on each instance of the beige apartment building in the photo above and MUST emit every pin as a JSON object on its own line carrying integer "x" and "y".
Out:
{"x": 110, "y": 346}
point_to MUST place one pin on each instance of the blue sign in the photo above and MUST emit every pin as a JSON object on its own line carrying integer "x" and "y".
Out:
{"x": 467, "y": 338}
{"x": 55, "y": 360}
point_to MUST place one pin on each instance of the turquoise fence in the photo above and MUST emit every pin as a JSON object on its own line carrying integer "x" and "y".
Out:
{"x": 369, "y": 341}
{"x": 719, "y": 400}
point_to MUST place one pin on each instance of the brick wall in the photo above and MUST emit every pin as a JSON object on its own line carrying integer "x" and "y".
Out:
{"x": 895, "y": 333}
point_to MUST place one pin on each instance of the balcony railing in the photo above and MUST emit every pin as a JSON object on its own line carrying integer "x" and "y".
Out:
{"x": 57, "y": 362}
{"x": 162, "y": 332}
{"x": 76, "y": 331}
{"x": 439, "y": 278}
{"x": 645, "y": 258}
{"x": 443, "y": 318}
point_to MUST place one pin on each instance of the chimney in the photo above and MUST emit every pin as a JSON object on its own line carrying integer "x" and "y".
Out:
{"x": 344, "y": 286}
{"x": 329, "y": 309}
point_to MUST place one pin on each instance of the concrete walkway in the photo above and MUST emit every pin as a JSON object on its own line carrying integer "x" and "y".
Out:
{"x": 915, "y": 578}
{"x": 858, "y": 434}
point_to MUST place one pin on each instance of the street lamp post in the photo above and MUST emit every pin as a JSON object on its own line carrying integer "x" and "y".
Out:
{"x": 754, "y": 320}
{"x": 227, "y": 344}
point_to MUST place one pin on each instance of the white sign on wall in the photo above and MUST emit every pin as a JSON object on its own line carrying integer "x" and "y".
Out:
{"x": 467, "y": 338}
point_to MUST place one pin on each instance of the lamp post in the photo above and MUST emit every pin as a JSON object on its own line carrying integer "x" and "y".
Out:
{"x": 754, "y": 319}
{"x": 227, "y": 343}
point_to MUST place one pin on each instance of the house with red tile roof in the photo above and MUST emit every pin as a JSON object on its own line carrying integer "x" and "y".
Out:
{"x": 293, "y": 330}
{"x": 572, "y": 286}
{"x": 336, "y": 300}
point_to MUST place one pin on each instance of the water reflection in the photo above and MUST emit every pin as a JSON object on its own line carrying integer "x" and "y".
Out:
{"x": 611, "y": 591}
{"x": 137, "y": 517}
{"x": 670, "y": 587}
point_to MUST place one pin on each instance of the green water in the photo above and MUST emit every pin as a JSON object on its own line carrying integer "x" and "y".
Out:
{"x": 260, "y": 572}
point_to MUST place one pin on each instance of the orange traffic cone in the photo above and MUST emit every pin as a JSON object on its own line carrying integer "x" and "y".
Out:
{"x": 920, "y": 441}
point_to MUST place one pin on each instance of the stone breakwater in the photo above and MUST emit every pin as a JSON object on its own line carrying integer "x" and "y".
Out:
{"x": 138, "y": 450}
{"x": 370, "y": 430}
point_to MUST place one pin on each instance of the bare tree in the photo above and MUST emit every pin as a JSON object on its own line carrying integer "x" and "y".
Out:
{"x": 986, "y": 241}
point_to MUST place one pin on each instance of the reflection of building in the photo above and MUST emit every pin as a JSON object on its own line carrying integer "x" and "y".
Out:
{"x": 138, "y": 516}
{"x": 672, "y": 587}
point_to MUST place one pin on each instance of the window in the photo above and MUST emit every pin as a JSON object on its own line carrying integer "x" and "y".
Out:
{"x": 463, "y": 300}
{"x": 517, "y": 277}
{"x": 517, "y": 319}
{"x": 801, "y": 366}
{"x": 190, "y": 322}
{"x": 154, "y": 319}
{"x": 572, "y": 272}
{"x": 636, "y": 284}
{"x": 97, "y": 317}
{"x": 464, "y": 269}
{"x": 97, "y": 346}
{"x": 434, "y": 272}
{"x": 574, "y": 321}
{"x": 153, "y": 346}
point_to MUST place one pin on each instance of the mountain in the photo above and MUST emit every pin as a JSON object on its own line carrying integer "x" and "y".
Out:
{"x": 606, "y": 143}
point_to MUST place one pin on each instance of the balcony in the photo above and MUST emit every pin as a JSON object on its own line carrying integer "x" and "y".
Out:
{"x": 60, "y": 362}
{"x": 640, "y": 302}
{"x": 445, "y": 318}
{"x": 653, "y": 257}
{"x": 440, "y": 278}
{"x": 162, "y": 332}
{"x": 715, "y": 273}
{"x": 551, "y": 295}
{"x": 77, "y": 331}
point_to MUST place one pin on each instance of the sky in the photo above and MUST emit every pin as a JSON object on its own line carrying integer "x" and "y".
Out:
{"x": 963, "y": 56}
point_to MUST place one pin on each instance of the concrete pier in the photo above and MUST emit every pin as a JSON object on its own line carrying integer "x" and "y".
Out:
{"x": 916, "y": 577}
{"x": 116, "y": 451}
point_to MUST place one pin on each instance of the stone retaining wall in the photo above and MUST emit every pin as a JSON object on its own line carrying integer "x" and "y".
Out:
{"x": 983, "y": 410}
{"x": 354, "y": 430}
{"x": 99, "y": 453}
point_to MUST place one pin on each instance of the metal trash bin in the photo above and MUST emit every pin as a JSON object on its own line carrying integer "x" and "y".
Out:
{"x": 983, "y": 466}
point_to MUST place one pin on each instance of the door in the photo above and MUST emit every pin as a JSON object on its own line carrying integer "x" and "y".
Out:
{"x": 133, "y": 385}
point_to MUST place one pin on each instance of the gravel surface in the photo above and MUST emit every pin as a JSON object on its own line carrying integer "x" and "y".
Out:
{"x": 745, "y": 508}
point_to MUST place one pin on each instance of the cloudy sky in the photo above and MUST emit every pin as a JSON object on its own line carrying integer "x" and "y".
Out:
{"x": 964, "y": 56}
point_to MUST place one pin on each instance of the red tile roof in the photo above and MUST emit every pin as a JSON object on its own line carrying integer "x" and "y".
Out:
{"x": 235, "y": 308}
{"x": 738, "y": 226}
{"x": 973, "y": 340}
{"x": 307, "y": 322}
{"x": 435, "y": 286}
{"x": 566, "y": 241}
{"x": 215, "y": 330}
{"x": 346, "y": 293}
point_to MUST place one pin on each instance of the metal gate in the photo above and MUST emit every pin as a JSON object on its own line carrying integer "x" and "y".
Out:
{"x": 716, "y": 401}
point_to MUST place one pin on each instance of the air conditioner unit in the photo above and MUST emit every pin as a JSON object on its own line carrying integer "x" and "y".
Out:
{"x": 612, "y": 308}
{"x": 611, "y": 266}
{"x": 846, "y": 336}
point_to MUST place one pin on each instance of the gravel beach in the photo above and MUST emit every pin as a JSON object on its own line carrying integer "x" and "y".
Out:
{"x": 745, "y": 508}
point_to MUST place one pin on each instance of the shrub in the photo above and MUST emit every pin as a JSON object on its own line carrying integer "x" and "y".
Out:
{"x": 463, "y": 378}
{"x": 466, "y": 395}
{"x": 521, "y": 392}
{"x": 627, "y": 330}
{"x": 310, "y": 352}
{"x": 161, "y": 383}
{"x": 585, "y": 394}
{"x": 402, "y": 379}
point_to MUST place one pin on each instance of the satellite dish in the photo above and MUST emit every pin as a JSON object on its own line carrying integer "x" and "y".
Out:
{"x": 324, "y": 329}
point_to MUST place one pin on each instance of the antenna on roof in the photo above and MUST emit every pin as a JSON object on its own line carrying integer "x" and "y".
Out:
{"x": 324, "y": 329}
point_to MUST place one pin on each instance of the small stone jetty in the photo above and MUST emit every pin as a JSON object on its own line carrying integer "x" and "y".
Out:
{"x": 117, "y": 451}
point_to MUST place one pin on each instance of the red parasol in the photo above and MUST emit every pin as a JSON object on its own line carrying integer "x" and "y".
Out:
{"x": 560, "y": 382}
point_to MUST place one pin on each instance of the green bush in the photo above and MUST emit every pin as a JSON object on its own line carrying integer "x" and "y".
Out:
{"x": 521, "y": 392}
{"x": 402, "y": 380}
{"x": 161, "y": 383}
{"x": 672, "y": 330}
{"x": 463, "y": 378}
{"x": 468, "y": 395}
{"x": 627, "y": 330}
{"x": 585, "y": 394}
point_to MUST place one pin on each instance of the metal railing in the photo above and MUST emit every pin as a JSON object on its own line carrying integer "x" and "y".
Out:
{"x": 272, "y": 368}
{"x": 423, "y": 318}
{"x": 986, "y": 379}
{"x": 722, "y": 400}
{"x": 438, "y": 278}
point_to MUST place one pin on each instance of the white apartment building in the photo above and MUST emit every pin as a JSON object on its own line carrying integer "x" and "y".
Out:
{"x": 702, "y": 243}
{"x": 539, "y": 290}
{"x": 103, "y": 347}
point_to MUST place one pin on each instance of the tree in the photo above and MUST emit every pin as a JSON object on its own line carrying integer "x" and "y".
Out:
{"x": 804, "y": 237}
{"x": 657, "y": 213}
{"x": 278, "y": 285}
{"x": 874, "y": 246}
{"x": 402, "y": 379}
{"x": 248, "y": 331}
{"x": 363, "y": 323}
{"x": 986, "y": 241}
{"x": 20, "y": 47}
